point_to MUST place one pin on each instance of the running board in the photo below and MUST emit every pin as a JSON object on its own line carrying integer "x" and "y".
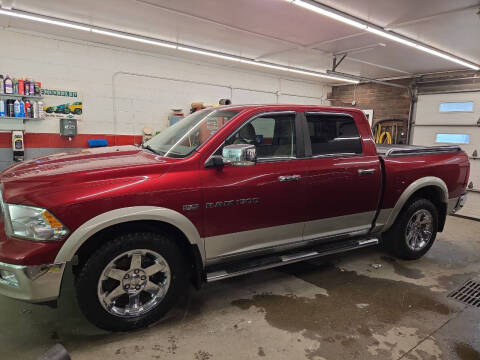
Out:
{"x": 272, "y": 261}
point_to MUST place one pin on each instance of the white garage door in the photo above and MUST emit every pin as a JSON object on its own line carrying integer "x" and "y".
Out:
{"x": 453, "y": 119}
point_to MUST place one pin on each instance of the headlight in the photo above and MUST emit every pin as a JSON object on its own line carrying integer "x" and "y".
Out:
{"x": 33, "y": 223}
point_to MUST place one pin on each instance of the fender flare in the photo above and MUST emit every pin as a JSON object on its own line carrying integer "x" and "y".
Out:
{"x": 122, "y": 215}
{"x": 410, "y": 190}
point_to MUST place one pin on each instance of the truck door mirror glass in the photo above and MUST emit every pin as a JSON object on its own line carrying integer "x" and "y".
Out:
{"x": 239, "y": 154}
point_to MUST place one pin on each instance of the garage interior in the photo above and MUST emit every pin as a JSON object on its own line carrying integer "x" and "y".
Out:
{"x": 117, "y": 72}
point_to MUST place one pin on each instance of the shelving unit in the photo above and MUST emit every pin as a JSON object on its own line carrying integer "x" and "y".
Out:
{"x": 8, "y": 123}
{"x": 16, "y": 96}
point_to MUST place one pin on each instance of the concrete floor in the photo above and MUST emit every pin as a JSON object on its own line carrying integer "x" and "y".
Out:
{"x": 335, "y": 308}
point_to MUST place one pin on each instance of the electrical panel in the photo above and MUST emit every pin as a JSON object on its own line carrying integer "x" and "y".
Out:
{"x": 68, "y": 127}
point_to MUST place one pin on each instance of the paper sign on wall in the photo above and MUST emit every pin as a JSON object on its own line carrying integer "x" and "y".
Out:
{"x": 61, "y": 104}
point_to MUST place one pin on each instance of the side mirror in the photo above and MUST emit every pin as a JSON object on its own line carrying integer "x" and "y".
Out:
{"x": 239, "y": 154}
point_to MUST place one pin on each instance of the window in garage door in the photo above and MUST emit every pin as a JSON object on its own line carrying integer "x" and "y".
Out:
{"x": 464, "y": 106}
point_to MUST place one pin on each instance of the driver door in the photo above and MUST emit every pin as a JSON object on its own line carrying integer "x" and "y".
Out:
{"x": 251, "y": 208}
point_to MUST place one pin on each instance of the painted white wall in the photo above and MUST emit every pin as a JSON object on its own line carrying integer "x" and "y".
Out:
{"x": 125, "y": 90}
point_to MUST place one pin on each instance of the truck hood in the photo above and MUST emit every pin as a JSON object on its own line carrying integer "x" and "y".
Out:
{"x": 53, "y": 173}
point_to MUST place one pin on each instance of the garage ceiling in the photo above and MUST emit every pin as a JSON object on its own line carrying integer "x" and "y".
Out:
{"x": 280, "y": 32}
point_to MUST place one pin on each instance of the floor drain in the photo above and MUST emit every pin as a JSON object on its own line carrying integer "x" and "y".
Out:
{"x": 468, "y": 293}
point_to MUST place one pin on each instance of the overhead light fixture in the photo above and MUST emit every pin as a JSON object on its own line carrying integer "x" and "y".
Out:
{"x": 360, "y": 24}
{"x": 329, "y": 13}
{"x": 167, "y": 44}
{"x": 136, "y": 38}
{"x": 208, "y": 53}
{"x": 44, "y": 19}
{"x": 263, "y": 64}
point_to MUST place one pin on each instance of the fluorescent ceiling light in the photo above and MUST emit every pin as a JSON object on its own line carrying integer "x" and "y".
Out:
{"x": 134, "y": 38}
{"x": 447, "y": 57}
{"x": 262, "y": 64}
{"x": 44, "y": 19}
{"x": 209, "y": 53}
{"x": 331, "y": 13}
{"x": 158, "y": 42}
{"x": 390, "y": 36}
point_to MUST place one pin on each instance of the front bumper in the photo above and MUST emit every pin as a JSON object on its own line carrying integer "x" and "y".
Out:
{"x": 34, "y": 283}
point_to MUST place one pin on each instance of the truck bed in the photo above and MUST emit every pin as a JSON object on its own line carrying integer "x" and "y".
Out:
{"x": 404, "y": 150}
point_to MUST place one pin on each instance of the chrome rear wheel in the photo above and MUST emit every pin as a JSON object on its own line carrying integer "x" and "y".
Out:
{"x": 419, "y": 230}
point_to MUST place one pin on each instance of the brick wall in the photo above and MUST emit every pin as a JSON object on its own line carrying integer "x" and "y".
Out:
{"x": 386, "y": 101}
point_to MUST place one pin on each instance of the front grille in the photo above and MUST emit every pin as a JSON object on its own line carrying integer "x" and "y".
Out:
{"x": 468, "y": 293}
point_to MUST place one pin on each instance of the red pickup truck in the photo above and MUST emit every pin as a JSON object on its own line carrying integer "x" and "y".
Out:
{"x": 226, "y": 191}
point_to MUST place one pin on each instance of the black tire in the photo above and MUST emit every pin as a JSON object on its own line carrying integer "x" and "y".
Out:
{"x": 395, "y": 239}
{"x": 88, "y": 278}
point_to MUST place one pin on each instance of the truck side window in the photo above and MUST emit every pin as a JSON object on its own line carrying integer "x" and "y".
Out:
{"x": 333, "y": 134}
{"x": 273, "y": 135}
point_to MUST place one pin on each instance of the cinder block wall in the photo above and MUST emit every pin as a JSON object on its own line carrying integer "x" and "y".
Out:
{"x": 386, "y": 101}
{"x": 124, "y": 90}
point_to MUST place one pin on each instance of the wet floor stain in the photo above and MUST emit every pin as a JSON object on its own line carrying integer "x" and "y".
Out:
{"x": 261, "y": 352}
{"x": 403, "y": 270}
{"x": 466, "y": 352}
{"x": 323, "y": 318}
{"x": 202, "y": 355}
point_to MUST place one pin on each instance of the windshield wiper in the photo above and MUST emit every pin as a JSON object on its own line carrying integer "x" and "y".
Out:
{"x": 149, "y": 147}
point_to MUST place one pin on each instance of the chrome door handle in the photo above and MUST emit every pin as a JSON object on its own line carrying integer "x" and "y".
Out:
{"x": 366, "y": 171}
{"x": 289, "y": 178}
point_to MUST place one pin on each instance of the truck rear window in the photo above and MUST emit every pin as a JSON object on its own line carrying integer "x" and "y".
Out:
{"x": 333, "y": 134}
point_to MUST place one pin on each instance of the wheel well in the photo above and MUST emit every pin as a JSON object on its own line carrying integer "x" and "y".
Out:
{"x": 191, "y": 252}
{"x": 435, "y": 195}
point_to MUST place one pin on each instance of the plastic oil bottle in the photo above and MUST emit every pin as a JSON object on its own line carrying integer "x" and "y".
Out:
{"x": 2, "y": 86}
{"x": 15, "y": 85}
{"x": 41, "y": 114}
{"x": 8, "y": 84}
{"x": 16, "y": 109}
{"x": 22, "y": 109}
{"x": 2, "y": 108}
{"x": 28, "y": 109}
{"x": 21, "y": 87}
{"x": 35, "y": 109}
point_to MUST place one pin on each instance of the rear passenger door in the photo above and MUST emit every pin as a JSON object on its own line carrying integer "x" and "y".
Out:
{"x": 342, "y": 182}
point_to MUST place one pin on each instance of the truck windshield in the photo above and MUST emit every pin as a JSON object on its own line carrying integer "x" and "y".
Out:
{"x": 185, "y": 136}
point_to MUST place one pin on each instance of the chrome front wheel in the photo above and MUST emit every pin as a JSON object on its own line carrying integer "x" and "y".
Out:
{"x": 133, "y": 283}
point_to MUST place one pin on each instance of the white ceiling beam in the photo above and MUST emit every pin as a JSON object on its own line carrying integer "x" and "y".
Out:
{"x": 291, "y": 44}
{"x": 326, "y": 42}
{"x": 217, "y": 23}
{"x": 396, "y": 25}
{"x": 165, "y": 43}
{"x": 358, "y": 23}
{"x": 311, "y": 46}
{"x": 359, "y": 49}
{"x": 349, "y": 58}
